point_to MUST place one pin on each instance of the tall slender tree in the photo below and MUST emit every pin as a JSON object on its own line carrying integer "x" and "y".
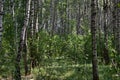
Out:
{"x": 118, "y": 26}
{"x": 78, "y": 25}
{"x": 22, "y": 41}
{"x": 1, "y": 17}
{"x": 94, "y": 39}
{"x": 105, "y": 55}
{"x": 114, "y": 21}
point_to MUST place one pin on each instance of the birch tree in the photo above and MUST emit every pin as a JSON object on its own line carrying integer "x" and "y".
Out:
{"x": 105, "y": 55}
{"x": 22, "y": 41}
{"x": 94, "y": 39}
{"x": 1, "y": 17}
{"x": 118, "y": 26}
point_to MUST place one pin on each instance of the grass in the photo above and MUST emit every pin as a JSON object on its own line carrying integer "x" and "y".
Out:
{"x": 65, "y": 69}
{"x": 74, "y": 72}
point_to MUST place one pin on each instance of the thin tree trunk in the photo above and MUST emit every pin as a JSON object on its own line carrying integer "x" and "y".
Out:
{"x": 1, "y": 17}
{"x": 25, "y": 56}
{"x": 105, "y": 55}
{"x": 22, "y": 42}
{"x": 32, "y": 33}
{"x": 94, "y": 39}
{"x": 51, "y": 15}
{"x": 118, "y": 32}
{"x": 114, "y": 23}
{"x": 40, "y": 15}
{"x": 78, "y": 26}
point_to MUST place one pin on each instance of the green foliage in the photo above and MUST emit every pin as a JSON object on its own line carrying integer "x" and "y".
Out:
{"x": 118, "y": 5}
{"x": 7, "y": 59}
{"x": 66, "y": 56}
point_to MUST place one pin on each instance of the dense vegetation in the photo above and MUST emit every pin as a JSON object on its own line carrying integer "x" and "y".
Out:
{"x": 60, "y": 39}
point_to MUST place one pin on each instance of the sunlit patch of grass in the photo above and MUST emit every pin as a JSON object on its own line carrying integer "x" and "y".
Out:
{"x": 67, "y": 74}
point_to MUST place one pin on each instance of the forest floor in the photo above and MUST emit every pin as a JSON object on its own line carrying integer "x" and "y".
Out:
{"x": 74, "y": 72}
{"x": 68, "y": 70}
